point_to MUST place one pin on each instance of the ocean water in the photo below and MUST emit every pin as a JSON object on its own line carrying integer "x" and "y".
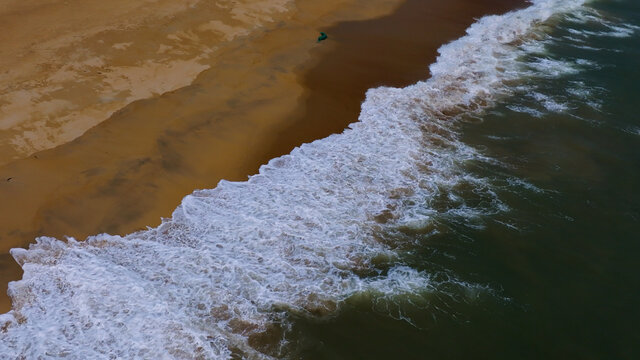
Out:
{"x": 489, "y": 211}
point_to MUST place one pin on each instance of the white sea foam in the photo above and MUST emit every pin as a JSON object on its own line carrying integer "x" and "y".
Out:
{"x": 298, "y": 237}
{"x": 589, "y": 95}
{"x": 549, "y": 103}
{"x": 526, "y": 110}
{"x": 610, "y": 26}
{"x": 634, "y": 130}
{"x": 541, "y": 67}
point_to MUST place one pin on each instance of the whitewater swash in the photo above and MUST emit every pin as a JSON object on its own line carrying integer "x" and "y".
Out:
{"x": 300, "y": 236}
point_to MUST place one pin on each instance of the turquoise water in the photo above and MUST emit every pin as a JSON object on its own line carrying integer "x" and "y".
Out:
{"x": 490, "y": 211}
{"x": 557, "y": 274}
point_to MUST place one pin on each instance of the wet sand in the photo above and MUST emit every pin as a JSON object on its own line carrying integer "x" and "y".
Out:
{"x": 65, "y": 66}
{"x": 262, "y": 94}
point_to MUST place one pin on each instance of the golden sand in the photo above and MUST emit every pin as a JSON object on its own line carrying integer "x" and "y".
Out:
{"x": 68, "y": 65}
{"x": 141, "y": 102}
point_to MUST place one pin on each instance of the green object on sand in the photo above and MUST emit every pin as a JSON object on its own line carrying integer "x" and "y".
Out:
{"x": 322, "y": 36}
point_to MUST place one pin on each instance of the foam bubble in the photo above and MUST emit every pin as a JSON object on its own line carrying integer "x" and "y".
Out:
{"x": 300, "y": 236}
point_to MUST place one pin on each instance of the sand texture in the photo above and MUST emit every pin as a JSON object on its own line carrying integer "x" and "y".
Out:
{"x": 65, "y": 66}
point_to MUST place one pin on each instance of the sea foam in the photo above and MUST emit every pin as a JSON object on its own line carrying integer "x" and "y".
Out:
{"x": 300, "y": 236}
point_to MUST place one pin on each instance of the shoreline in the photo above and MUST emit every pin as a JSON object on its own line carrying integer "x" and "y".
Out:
{"x": 399, "y": 56}
{"x": 127, "y": 172}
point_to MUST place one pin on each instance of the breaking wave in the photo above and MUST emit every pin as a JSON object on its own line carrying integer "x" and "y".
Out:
{"x": 220, "y": 276}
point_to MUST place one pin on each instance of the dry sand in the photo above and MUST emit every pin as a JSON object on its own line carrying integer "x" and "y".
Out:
{"x": 154, "y": 100}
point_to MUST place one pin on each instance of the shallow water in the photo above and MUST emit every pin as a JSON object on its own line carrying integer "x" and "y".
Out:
{"x": 486, "y": 212}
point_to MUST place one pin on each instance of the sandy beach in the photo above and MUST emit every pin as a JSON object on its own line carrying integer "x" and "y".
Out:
{"x": 104, "y": 128}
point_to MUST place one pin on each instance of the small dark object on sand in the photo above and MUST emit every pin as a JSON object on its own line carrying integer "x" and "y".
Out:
{"x": 322, "y": 36}
{"x": 9, "y": 178}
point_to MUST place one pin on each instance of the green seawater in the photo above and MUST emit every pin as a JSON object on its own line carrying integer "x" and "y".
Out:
{"x": 553, "y": 275}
